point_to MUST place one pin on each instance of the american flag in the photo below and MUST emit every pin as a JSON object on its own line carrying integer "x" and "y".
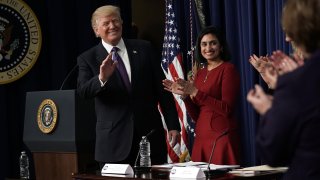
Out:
{"x": 172, "y": 66}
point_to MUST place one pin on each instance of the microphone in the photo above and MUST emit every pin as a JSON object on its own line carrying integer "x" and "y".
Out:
{"x": 151, "y": 132}
{"x": 138, "y": 168}
{"x": 66, "y": 79}
{"x": 210, "y": 173}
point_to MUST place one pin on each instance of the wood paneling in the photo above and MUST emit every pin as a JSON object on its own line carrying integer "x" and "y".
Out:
{"x": 60, "y": 166}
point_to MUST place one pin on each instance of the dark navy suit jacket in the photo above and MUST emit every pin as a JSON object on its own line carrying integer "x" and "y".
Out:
{"x": 121, "y": 114}
{"x": 289, "y": 133}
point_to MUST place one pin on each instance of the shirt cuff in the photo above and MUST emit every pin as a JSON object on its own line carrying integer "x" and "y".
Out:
{"x": 102, "y": 83}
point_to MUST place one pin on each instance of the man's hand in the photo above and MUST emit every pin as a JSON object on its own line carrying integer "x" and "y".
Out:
{"x": 107, "y": 68}
{"x": 173, "y": 137}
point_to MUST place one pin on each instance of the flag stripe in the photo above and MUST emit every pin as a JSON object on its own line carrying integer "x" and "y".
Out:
{"x": 181, "y": 114}
{"x": 172, "y": 65}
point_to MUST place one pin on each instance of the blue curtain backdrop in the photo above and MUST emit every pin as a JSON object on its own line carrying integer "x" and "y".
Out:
{"x": 251, "y": 26}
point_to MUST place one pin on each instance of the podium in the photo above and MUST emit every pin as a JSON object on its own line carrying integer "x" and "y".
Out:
{"x": 59, "y": 130}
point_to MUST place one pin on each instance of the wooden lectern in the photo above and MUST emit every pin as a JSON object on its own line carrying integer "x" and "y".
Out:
{"x": 59, "y": 130}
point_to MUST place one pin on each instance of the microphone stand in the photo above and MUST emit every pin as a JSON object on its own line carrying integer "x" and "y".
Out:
{"x": 68, "y": 76}
{"x": 210, "y": 173}
{"x": 136, "y": 161}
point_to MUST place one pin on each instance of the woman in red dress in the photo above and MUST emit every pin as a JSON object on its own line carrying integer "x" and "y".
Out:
{"x": 210, "y": 99}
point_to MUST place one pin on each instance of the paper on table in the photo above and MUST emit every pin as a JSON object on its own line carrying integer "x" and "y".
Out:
{"x": 202, "y": 165}
{"x": 184, "y": 164}
{"x": 219, "y": 167}
{"x": 190, "y": 163}
{"x": 264, "y": 168}
{"x": 257, "y": 170}
{"x": 169, "y": 166}
{"x": 118, "y": 175}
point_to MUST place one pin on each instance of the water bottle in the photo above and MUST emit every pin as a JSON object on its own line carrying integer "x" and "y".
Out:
{"x": 24, "y": 166}
{"x": 145, "y": 160}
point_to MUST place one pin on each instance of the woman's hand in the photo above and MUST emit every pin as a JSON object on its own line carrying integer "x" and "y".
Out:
{"x": 260, "y": 101}
{"x": 264, "y": 66}
{"x": 270, "y": 77}
{"x": 172, "y": 86}
{"x": 187, "y": 87}
{"x": 180, "y": 87}
{"x": 259, "y": 63}
{"x": 284, "y": 64}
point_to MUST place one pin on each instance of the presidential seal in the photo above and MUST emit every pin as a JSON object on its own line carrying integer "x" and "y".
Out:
{"x": 47, "y": 116}
{"x": 20, "y": 40}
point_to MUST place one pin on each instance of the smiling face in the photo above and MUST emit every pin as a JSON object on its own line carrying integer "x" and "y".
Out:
{"x": 109, "y": 28}
{"x": 210, "y": 47}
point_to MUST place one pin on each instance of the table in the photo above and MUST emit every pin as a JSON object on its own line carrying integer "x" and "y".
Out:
{"x": 164, "y": 174}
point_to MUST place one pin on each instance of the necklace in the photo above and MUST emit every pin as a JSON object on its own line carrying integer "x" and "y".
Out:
{"x": 209, "y": 71}
{"x": 205, "y": 78}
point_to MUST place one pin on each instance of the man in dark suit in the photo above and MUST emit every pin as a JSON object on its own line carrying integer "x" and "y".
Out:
{"x": 126, "y": 102}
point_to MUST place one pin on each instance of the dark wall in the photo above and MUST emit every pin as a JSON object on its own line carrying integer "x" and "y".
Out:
{"x": 148, "y": 16}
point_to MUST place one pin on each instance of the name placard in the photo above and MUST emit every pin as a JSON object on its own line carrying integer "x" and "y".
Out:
{"x": 117, "y": 169}
{"x": 187, "y": 172}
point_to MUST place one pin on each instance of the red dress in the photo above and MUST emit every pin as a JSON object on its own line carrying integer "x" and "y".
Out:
{"x": 213, "y": 111}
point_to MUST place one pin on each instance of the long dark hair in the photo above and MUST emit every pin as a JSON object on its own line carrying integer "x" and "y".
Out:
{"x": 224, "y": 54}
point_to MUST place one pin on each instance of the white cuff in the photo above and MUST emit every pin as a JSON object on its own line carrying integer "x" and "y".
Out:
{"x": 102, "y": 83}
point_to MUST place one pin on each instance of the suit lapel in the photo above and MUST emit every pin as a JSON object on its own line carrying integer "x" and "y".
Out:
{"x": 133, "y": 54}
{"x": 101, "y": 53}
